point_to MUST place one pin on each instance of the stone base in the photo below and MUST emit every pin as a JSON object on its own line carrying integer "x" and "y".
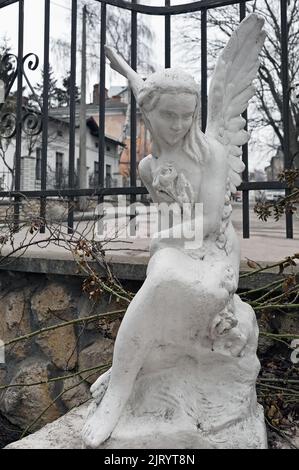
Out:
{"x": 64, "y": 433}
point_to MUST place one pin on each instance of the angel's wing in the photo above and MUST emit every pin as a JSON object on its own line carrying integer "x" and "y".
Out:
{"x": 118, "y": 64}
{"x": 230, "y": 90}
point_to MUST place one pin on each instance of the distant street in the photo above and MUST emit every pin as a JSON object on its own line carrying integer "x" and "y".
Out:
{"x": 259, "y": 228}
{"x": 267, "y": 242}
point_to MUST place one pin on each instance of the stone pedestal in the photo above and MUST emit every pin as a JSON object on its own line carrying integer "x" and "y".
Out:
{"x": 64, "y": 433}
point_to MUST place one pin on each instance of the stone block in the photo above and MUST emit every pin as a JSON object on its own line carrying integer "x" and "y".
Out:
{"x": 98, "y": 353}
{"x": 14, "y": 322}
{"x": 23, "y": 405}
{"x": 75, "y": 393}
{"x": 52, "y": 303}
{"x": 60, "y": 347}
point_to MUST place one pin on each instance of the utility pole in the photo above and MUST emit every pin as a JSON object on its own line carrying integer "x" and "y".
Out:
{"x": 82, "y": 150}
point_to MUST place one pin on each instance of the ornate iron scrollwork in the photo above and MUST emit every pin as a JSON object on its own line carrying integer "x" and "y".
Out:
{"x": 31, "y": 121}
{"x": 8, "y": 125}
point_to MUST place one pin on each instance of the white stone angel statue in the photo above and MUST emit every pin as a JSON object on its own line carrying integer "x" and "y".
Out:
{"x": 185, "y": 365}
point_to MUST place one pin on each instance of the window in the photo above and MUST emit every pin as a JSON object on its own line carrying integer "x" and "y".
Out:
{"x": 59, "y": 169}
{"x": 77, "y": 172}
{"x": 108, "y": 180}
{"x": 38, "y": 164}
{"x": 108, "y": 148}
{"x": 96, "y": 174}
{"x": 108, "y": 176}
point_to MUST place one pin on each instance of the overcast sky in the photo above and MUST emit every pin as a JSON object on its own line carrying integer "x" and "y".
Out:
{"x": 60, "y": 29}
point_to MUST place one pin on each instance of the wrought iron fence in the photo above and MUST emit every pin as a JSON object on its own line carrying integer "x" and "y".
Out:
{"x": 22, "y": 121}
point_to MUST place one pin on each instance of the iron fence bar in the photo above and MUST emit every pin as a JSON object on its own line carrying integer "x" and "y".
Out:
{"x": 102, "y": 104}
{"x": 19, "y": 111}
{"x": 171, "y": 10}
{"x": 133, "y": 133}
{"x": 285, "y": 109}
{"x": 167, "y": 38}
{"x": 72, "y": 135}
{"x": 77, "y": 192}
{"x": 6, "y": 3}
{"x": 45, "y": 112}
{"x": 152, "y": 10}
{"x": 204, "y": 69}
{"x": 133, "y": 101}
{"x": 245, "y": 175}
{"x": 249, "y": 186}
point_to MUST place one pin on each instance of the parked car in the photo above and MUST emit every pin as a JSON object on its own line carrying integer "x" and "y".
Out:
{"x": 274, "y": 195}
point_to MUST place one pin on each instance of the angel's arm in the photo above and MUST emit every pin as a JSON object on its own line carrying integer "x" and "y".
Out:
{"x": 118, "y": 64}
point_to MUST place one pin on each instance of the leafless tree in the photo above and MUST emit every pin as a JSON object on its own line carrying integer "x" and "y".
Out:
{"x": 268, "y": 105}
{"x": 118, "y": 35}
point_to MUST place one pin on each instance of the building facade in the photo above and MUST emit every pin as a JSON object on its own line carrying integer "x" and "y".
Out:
{"x": 58, "y": 156}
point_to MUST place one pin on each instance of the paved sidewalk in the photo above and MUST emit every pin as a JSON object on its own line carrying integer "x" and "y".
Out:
{"x": 266, "y": 245}
{"x": 264, "y": 249}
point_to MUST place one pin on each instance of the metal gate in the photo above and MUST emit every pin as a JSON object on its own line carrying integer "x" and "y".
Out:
{"x": 30, "y": 60}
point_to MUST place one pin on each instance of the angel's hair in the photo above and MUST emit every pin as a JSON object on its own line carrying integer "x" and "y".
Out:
{"x": 174, "y": 81}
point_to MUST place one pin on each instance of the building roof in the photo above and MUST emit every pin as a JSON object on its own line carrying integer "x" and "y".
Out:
{"x": 62, "y": 114}
{"x": 93, "y": 124}
{"x": 116, "y": 90}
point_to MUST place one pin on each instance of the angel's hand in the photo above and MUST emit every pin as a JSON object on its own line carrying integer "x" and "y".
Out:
{"x": 117, "y": 63}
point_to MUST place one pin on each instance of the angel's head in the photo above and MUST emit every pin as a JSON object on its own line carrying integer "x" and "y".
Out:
{"x": 169, "y": 101}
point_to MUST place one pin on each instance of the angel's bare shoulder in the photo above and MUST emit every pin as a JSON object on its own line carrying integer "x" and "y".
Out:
{"x": 145, "y": 169}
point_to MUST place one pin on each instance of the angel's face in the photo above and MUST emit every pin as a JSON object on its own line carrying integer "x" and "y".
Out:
{"x": 172, "y": 117}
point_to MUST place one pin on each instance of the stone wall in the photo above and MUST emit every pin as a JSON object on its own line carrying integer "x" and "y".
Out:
{"x": 30, "y": 302}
